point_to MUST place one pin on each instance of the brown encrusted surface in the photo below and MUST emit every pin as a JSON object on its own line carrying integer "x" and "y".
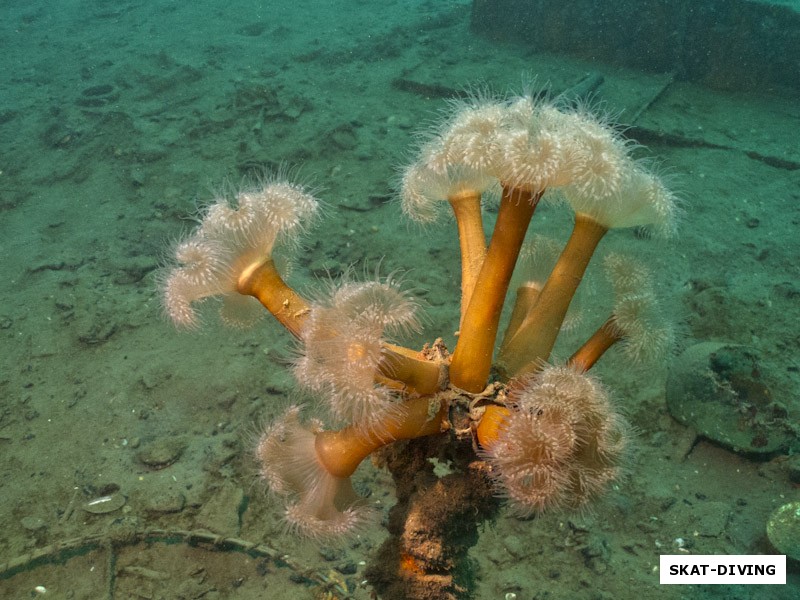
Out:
{"x": 433, "y": 524}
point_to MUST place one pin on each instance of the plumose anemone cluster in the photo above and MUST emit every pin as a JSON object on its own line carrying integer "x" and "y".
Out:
{"x": 547, "y": 433}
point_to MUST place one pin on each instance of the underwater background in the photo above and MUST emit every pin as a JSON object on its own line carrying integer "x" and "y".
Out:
{"x": 118, "y": 120}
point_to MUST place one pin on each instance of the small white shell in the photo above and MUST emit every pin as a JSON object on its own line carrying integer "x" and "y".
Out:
{"x": 105, "y": 504}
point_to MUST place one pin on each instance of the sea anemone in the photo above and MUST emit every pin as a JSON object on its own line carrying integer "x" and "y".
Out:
{"x": 537, "y": 258}
{"x": 597, "y": 157}
{"x": 646, "y": 336}
{"x": 424, "y": 189}
{"x": 559, "y": 443}
{"x": 640, "y": 200}
{"x": 231, "y": 243}
{"x": 472, "y": 358}
{"x": 473, "y": 136}
{"x": 318, "y": 504}
{"x": 310, "y": 468}
{"x": 637, "y": 199}
{"x": 636, "y": 322}
{"x": 534, "y": 153}
{"x": 343, "y": 348}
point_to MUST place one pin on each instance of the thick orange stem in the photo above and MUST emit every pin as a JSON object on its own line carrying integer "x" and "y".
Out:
{"x": 527, "y": 295}
{"x": 404, "y": 365}
{"x": 340, "y": 452}
{"x": 264, "y": 283}
{"x": 472, "y": 359}
{"x": 535, "y": 338}
{"x": 587, "y": 355}
{"x": 472, "y": 239}
{"x": 491, "y": 425}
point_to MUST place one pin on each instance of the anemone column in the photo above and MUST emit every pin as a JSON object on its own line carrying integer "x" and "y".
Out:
{"x": 434, "y": 523}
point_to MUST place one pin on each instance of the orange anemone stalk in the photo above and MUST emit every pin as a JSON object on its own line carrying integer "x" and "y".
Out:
{"x": 472, "y": 359}
{"x": 466, "y": 206}
{"x": 265, "y": 284}
{"x": 535, "y": 337}
{"x": 340, "y": 452}
{"x": 491, "y": 425}
{"x": 587, "y": 355}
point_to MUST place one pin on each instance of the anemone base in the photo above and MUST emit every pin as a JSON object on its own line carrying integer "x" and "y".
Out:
{"x": 434, "y": 522}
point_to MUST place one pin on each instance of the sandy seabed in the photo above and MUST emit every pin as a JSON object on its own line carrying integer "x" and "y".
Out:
{"x": 119, "y": 119}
